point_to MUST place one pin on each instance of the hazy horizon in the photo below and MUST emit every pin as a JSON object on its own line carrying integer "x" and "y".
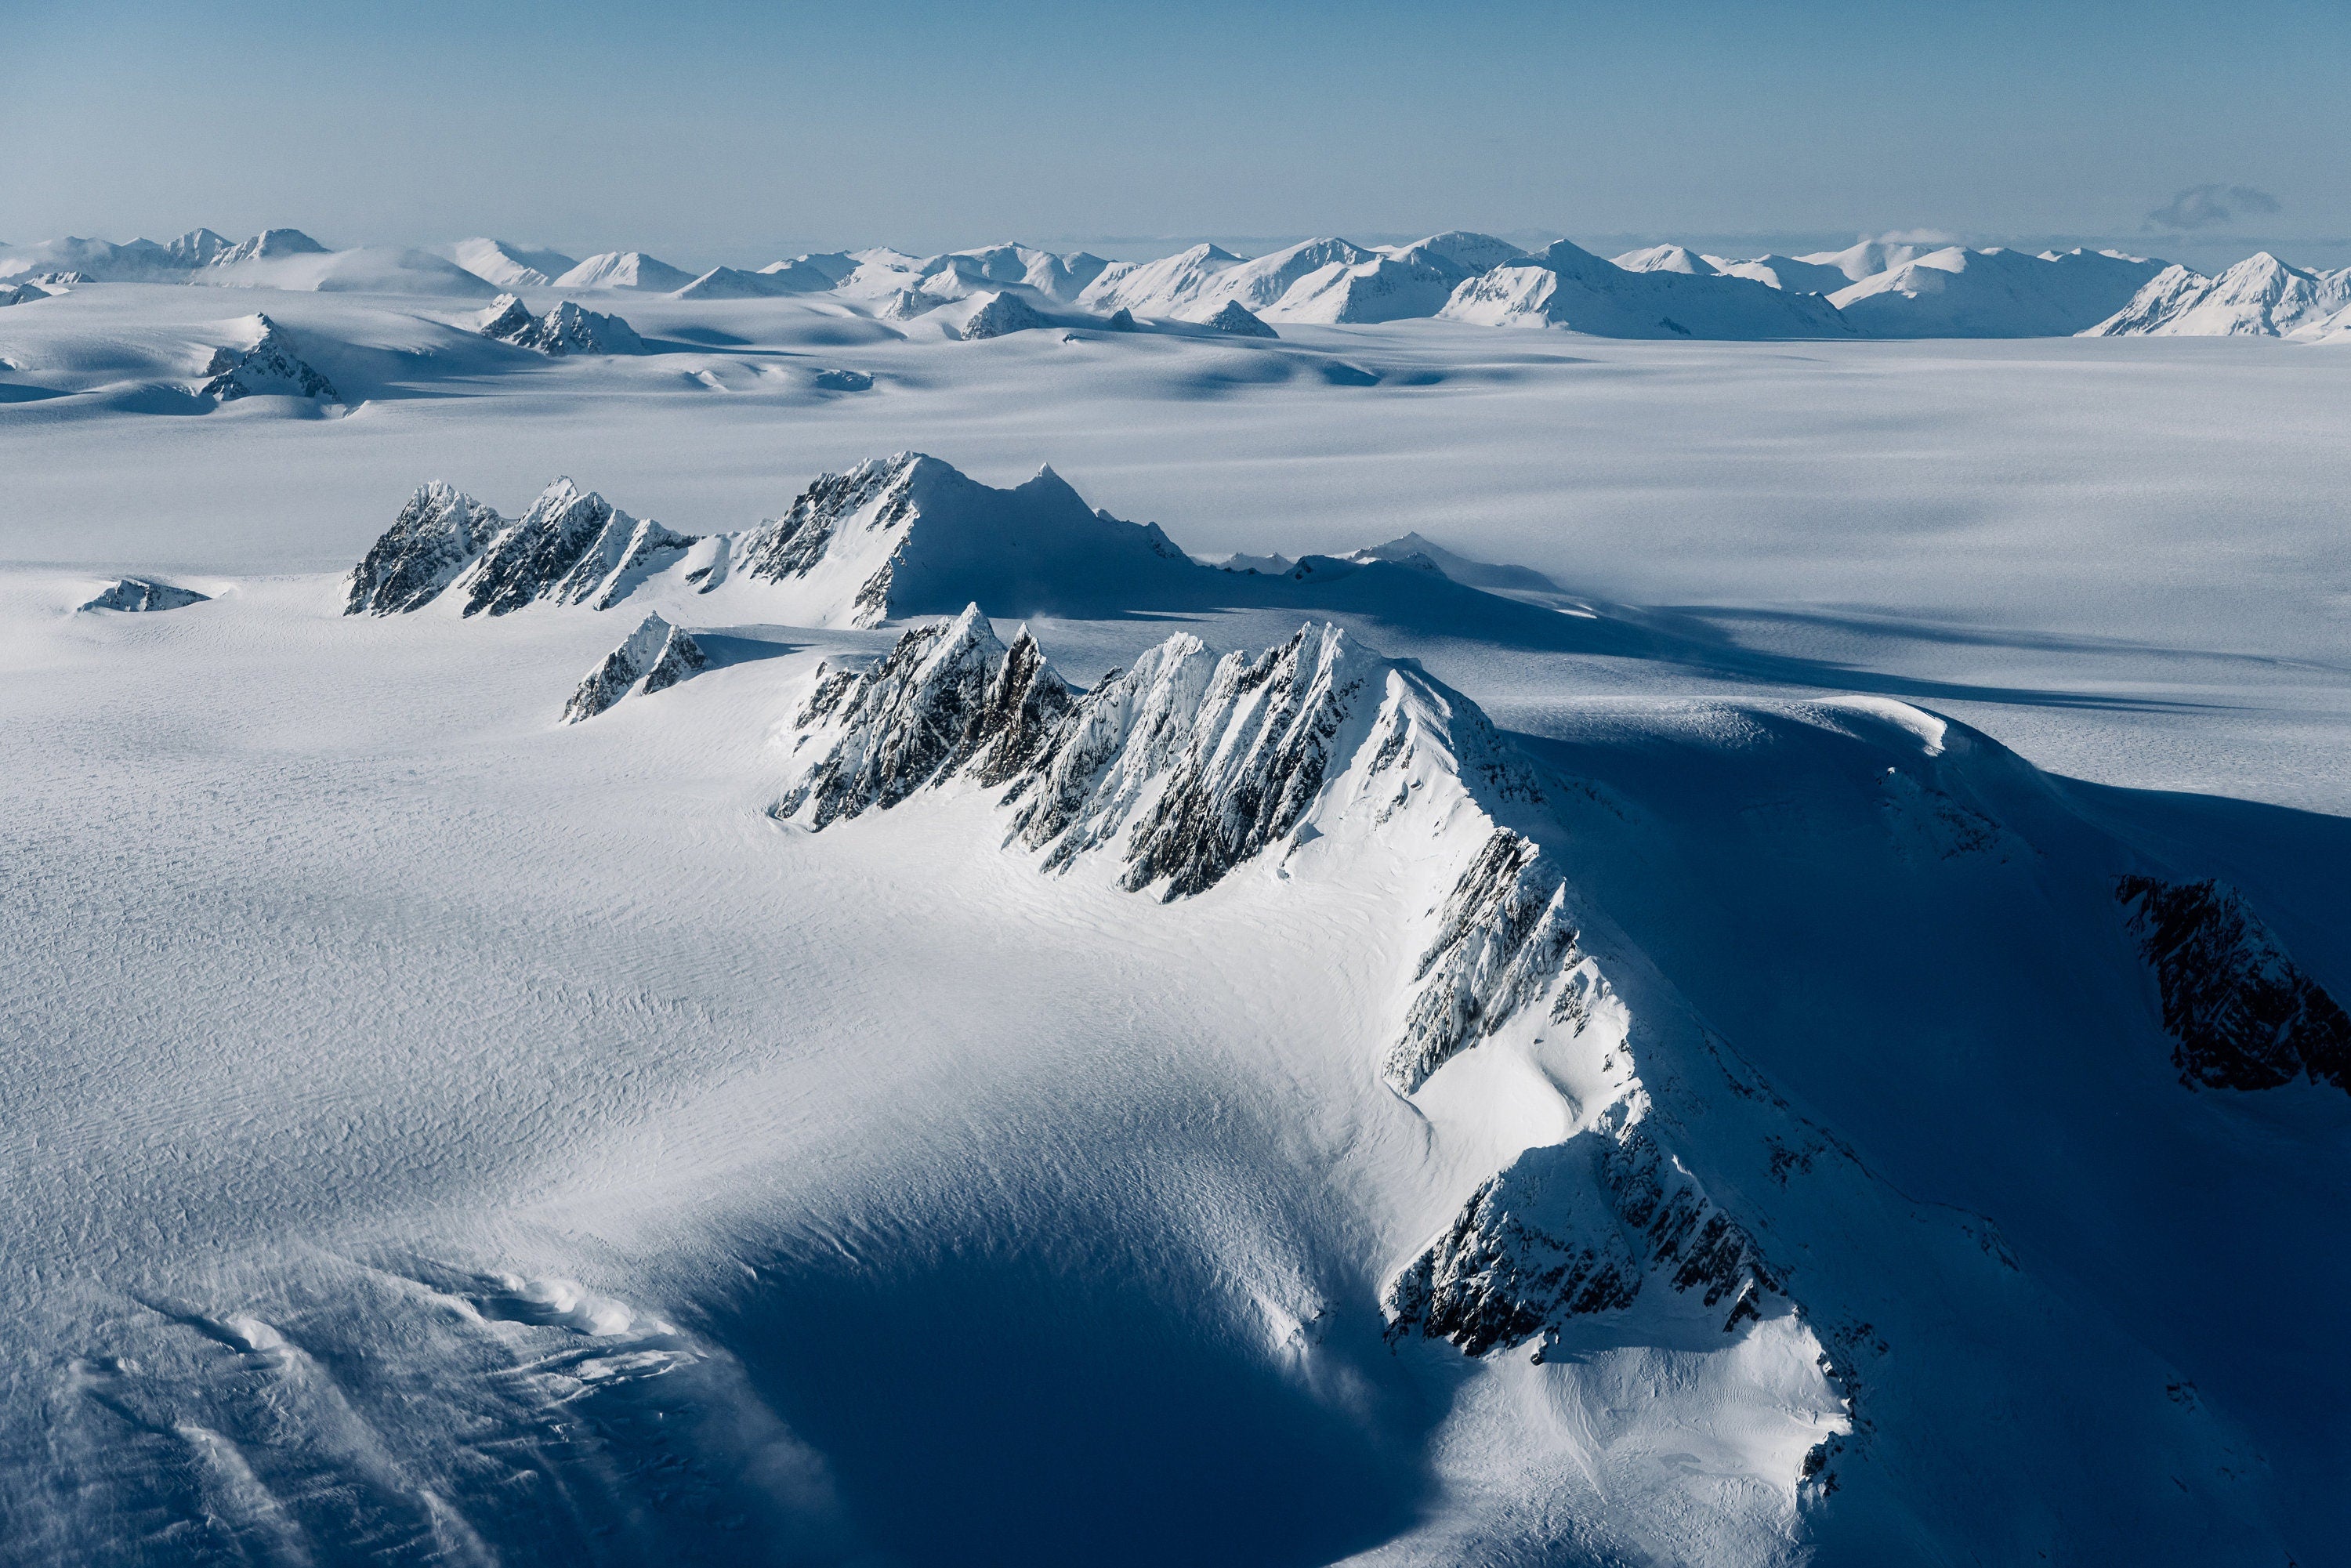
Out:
{"x": 2167, "y": 130}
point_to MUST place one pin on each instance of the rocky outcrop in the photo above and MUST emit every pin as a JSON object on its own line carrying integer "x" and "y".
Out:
{"x": 569, "y": 548}
{"x": 438, "y": 534}
{"x": 269, "y": 368}
{"x": 565, "y": 330}
{"x": 950, "y": 698}
{"x": 909, "y": 535}
{"x": 1502, "y": 940}
{"x": 795, "y": 542}
{"x": 1238, "y": 320}
{"x": 2241, "y": 1013}
{"x": 654, "y": 657}
{"x": 1003, "y": 314}
{"x": 139, "y": 593}
{"x": 22, "y": 294}
{"x": 1262, "y": 744}
{"x": 1576, "y": 1229}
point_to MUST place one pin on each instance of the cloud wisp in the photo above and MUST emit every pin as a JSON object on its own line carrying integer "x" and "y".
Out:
{"x": 2202, "y": 206}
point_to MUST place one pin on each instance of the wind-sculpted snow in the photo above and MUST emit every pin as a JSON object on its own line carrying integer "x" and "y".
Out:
{"x": 1576, "y": 1229}
{"x": 2242, "y": 1014}
{"x": 139, "y": 593}
{"x": 656, "y": 654}
{"x": 565, "y": 330}
{"x": 268, "y": 367}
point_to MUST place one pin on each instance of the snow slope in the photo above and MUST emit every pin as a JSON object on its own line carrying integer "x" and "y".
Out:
{"x": 1569, "y": 288}
{"x": 2260, "y": 297}
{"x": 1785, "y": 272}
{"x": 367, "y": 270}
{"x": 509, "y": 265}
{"x": 1960, "y": 293}
{"x": 624, "y": 269}
{"x": 1262, "y": 1042}
{"x": 1867, "y": 259}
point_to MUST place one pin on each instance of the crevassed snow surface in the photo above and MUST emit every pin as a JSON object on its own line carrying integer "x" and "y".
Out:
{"x": 440, "y": 1133}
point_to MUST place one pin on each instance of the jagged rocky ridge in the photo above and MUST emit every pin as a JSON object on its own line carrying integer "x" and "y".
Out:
{"x": 2241, "y": 1014}
{"x": 652, "y": 658}
{"x": 269, "y": 367}
{"x": 139, "y": 593}
{"x": 904, "y": 534}
{"x": 565, "y": 330}
{"x": 1188, "y": 766}
{"x": 569, "y": 548}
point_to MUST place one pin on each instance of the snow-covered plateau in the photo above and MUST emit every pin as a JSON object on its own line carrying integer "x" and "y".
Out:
{"x": 1023, "y": 908}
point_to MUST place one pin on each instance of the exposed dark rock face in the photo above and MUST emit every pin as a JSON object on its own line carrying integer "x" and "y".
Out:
{"x": 1570, "y": 1231}
{"x": 1535, "y": 1244}
{"x": 796, "y": 541}
{"x": 1502, "y": 940}
{"x": 841, "y": 381}
{"x": 569, "y": 548}
{"x": 623, "y": 553}
{"x": 1122, "y": 320}
{"x": 565, "y": 330}
{"x": 1003, "y": 315}
{"x": 1263, "y": 747}
{"x": 1240, "y": 321}
{"x": 532, "y": 558}
{"x": 438, "y": 534}
{"x": 656, "y": 653}
{"x": 139, "y": 593}
{"x": 22, "y": 294}
{"x": 948, "y": 697}
{"x": 2241, "y": 1013}
{"x": 269, "y": 367}
{"x": 1126, "y": 732}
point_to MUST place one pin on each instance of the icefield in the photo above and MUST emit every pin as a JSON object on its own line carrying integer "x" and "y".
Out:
{"x": 1411, "y": 904}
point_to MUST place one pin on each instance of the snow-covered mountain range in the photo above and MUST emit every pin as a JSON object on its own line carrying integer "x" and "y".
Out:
{"x": 1627, "y": 1176}
{"x": 1872, "y": 288}
{"x": 939, "y": 1027}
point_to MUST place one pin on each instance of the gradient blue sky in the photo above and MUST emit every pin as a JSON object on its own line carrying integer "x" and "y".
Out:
{"x": 737, "y": 131}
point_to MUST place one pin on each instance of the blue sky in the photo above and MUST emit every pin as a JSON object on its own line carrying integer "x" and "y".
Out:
{"x": 735, "y": 131}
